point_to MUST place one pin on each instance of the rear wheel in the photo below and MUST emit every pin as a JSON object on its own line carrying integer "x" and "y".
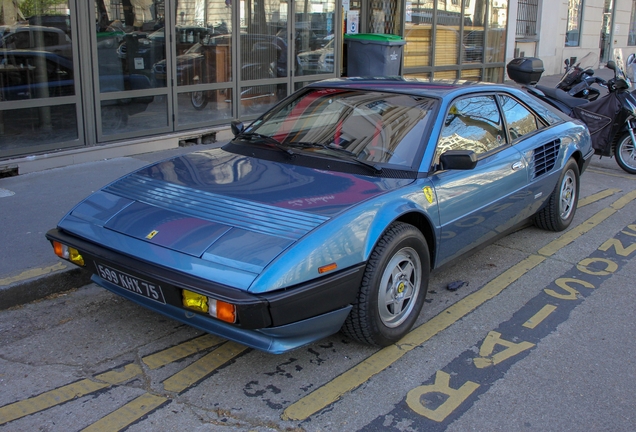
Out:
{"x": 199, "y": 101}
{"x": 625, "y": 155}
{"x": 393, "y": 288}
{"x": 561, "y": 206}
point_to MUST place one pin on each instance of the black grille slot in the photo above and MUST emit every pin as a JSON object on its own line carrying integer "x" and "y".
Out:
{"x": 545, "y": 157}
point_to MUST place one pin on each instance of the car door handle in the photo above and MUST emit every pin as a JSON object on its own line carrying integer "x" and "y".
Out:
{"x": 517, "y": 166}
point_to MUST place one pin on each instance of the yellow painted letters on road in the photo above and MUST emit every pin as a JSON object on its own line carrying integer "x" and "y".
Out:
{"x": 441, "y": 385}
{"x": 494, "y": 338}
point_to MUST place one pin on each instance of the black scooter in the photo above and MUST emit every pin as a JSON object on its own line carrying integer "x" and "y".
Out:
{"x": 611, "y": 119}
{"x": 577, "y": 80}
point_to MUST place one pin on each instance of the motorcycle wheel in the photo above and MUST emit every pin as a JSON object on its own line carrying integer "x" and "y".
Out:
{"x": 199, "y": 101}
{"x": 625, "y": 154}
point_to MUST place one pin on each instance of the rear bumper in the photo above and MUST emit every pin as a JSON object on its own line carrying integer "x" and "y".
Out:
{"x": 274, "y": 322}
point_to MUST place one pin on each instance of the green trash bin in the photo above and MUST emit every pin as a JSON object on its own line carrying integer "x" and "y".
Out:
{"x": 372, "y": 54}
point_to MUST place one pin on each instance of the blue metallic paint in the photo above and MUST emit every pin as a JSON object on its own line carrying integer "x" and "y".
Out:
{"x": 290, "y": 220}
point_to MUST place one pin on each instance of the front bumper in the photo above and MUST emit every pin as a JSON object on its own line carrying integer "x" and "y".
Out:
{"x": 274, "y": 322}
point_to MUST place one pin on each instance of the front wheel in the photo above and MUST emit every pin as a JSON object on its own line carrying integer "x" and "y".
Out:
{"x": 559, "y": 210}
{"x": 393, "y": 288}
{"x": 625, "y": 155}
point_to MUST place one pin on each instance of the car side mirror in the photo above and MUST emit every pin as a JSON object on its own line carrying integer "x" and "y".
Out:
{"x": 237, "y": 127}
{"x": 458, "y": 160}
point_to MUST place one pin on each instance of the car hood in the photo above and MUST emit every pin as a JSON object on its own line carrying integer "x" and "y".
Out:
{"x": 236, "y": 211}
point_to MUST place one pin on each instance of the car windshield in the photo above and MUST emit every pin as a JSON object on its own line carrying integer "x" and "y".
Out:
{"x": 375, "y": 127}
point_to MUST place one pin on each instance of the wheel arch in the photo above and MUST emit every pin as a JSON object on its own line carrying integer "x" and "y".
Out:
{"x": 424, "y": 225}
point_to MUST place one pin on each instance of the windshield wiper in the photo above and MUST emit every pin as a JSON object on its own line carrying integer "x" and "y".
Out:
{"x": 350, "y": 156}
{"x": 267, "y": 140}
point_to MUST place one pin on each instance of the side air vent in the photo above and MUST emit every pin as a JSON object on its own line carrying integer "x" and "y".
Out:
{"x": 544, "y": 158}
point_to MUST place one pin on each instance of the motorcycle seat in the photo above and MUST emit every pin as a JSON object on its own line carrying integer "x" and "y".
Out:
{"x": 562, "y": 96}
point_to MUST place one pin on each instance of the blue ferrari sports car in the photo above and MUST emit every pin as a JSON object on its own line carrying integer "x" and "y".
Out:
{"x": 329, "y": 212}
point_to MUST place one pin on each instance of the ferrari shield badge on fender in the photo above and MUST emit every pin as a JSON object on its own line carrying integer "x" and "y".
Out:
{"x": 151, "y": 234}
{"x": 428, "y": 193}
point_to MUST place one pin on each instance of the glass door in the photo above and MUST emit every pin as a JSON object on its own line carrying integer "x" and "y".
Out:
{"x": 130, "y": 39}
{"x": 314, "y": 42}
{"x": 203, "y": 69}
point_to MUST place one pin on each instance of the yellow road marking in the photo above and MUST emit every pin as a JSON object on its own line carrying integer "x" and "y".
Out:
{"x": 144, "y": 404}
{"x": 613, "y": 174}
{"x": 30, "y": 274}
{"x": 574, "y": 233}
{"x": 362, "y": 372}
{"x": 597, "y": 197}
{"x": 66, "y": 393}
{"x": 376, "y": 363}
{"x": 183, "y": 350}
{"x": 538, "y": 318}
{"x": 124, "y": 416}
{"x": 202, "y": 367}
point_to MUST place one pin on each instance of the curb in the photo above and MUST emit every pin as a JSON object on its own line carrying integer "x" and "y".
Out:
{"x": 36, "y": 288}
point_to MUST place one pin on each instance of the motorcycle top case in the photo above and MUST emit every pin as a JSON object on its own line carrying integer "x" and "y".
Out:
{"x": 525, "y": 70}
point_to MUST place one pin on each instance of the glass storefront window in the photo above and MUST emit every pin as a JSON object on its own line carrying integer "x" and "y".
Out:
{"x": 130, "y": 41}
{"x": 36, "y": 128}
{"x": 204, "y": 42}
{"x": 133, "y": 114}
{"x": 205, "y": 106}
{"x": 37, "y": 71}
{"x": 418, "y": 33}
{"x": 496, "y": 41}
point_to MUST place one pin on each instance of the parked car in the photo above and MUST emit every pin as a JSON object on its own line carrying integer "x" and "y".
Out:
{"x": 329, "y": 211}
{"x": 32, "y": 37}
{"x": 262, "y": 57}
{"x": 317, "y": 61}
{"x": 28, "y": 74}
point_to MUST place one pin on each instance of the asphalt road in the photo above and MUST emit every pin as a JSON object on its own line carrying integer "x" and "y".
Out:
{"x": 540, "y": 339}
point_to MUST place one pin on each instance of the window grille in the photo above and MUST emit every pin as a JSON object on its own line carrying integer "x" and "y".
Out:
{"x": 527, "y": 18}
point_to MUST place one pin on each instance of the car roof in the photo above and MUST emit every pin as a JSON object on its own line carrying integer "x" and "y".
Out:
{"x": 413, "y": 86}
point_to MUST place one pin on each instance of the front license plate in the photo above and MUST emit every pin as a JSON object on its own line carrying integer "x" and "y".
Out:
{"x": 131, "y": 283}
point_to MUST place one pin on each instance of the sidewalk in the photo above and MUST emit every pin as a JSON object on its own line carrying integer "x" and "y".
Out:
{"x": 33, "y": 203}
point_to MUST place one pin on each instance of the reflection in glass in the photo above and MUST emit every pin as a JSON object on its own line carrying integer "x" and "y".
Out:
{"x": 367, "y": 126}
{"x": 495, "y": 51}
{"x": 418, "y": 34}
{"x": 204, "y": 106}
{"x": 130, "y": 40}
{"x": 474, "y": 27}
{"x": 134, "y": 114}
{"x": 36, "y": 55}
{"x": 471, "y": 74}
{"x": 423, "y": 76}
{"x": 258, "y": 99}
{"x": 33, "y": 127}
{"x": 314, "y": 37}
{"x": 204, "y": 43}
{"x": 263, "y": 40}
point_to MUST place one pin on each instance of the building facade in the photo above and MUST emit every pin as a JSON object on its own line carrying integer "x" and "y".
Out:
{"x": 571, "y": 29}
{"x": 88, "y": 75}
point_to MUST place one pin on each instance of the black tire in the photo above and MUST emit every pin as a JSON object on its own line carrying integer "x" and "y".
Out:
{"x": 199, "y": 100}
{"x": 400, "y": 263}
{"x": 113, "y": 118}
{"x": 625, "y": 154}
{"x": 559, "y": 210}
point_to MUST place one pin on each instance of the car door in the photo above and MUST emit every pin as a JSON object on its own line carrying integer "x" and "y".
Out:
{"x": 476, "y": 205}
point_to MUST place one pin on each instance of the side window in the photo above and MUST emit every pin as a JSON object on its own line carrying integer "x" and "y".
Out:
{"x": 519, "y": 119}
{"x": 472, "y": 123}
